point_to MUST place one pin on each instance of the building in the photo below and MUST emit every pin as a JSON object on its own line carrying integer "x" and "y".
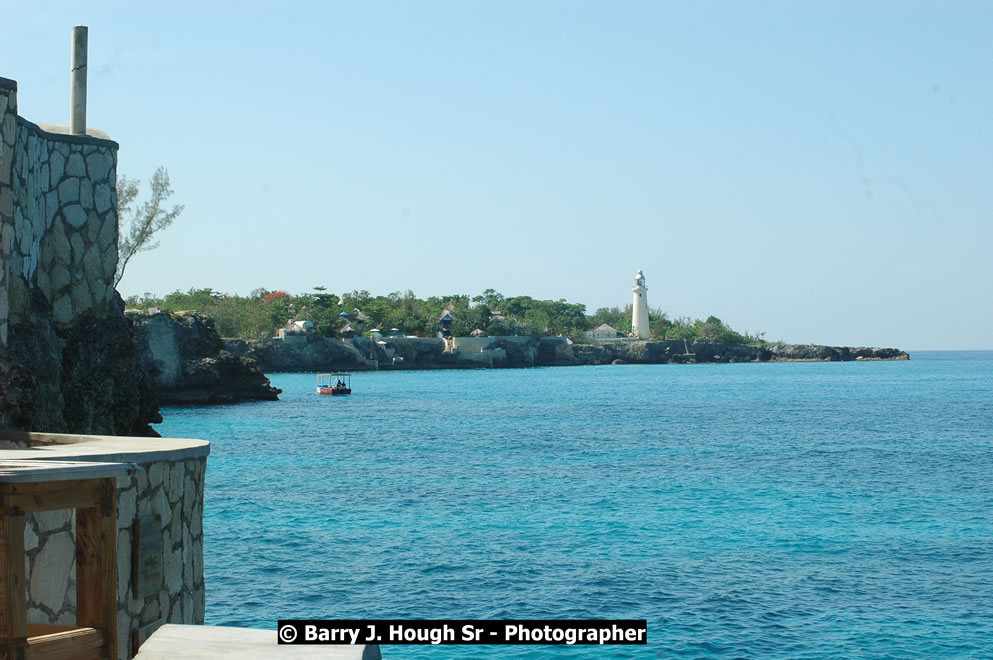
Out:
{"x": 295, "y": 331}
{"x": 604, "y": 331}
{"x": 446, "y": 324}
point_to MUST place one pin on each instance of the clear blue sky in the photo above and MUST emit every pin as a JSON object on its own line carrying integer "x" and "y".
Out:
{"x": 819, "y": 171}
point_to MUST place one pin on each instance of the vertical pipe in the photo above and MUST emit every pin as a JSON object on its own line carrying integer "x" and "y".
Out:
{"x": 77, "y": 101}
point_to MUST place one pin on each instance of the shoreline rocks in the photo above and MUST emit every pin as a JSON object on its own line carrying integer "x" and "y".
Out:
{"x": 315, "y": 353}
{"x": 187, "y": 362}
{"x": 78, "y": 378}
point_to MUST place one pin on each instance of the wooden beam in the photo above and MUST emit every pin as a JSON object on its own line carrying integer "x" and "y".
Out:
{"x": 77, "y": 643}
{"x": 13, "y": 582}
{"x": 96, "y": 566}
{"x": 52, "y": 495}
{"x": 37, "y": 629}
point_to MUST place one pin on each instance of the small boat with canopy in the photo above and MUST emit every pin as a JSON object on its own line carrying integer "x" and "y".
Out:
{"x": 338, "y": 382}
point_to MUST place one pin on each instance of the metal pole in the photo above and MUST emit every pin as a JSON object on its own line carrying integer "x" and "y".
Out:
{"x": 77, "y": 101}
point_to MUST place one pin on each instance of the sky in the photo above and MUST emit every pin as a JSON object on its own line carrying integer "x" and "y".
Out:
{"x": 816, "y": 171}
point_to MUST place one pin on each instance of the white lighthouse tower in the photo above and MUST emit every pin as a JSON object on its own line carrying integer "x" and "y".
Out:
{"x": 639, "y": 309}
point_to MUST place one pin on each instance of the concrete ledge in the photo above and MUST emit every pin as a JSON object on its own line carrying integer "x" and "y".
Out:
{"x": 21, "y": 471}
{"x": 52, "y": 131}
{"x": 106, "y": 448}
{"x": 62, "y": 129}
{"x": 211, "y": 642}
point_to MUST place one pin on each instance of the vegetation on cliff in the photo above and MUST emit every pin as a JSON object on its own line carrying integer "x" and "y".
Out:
{"x": 260, "y": 314}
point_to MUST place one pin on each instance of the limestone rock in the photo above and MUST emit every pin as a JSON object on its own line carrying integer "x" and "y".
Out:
{"x": 101, "y": 198}
{"x": 73, "y": 373}
{"x": 93, "y": 265}
{"x": 62, "y": 310}
{"x": 30, "y": 537}
{"x": 127, "y": 507}
{"x": 556, "y": 351}
{"x": 75, "y": 215}
{"x": 81, "y": 299}
{"x": 69, "y": 190}
{"x": 86, "y": 193}
{"x": 173, "y": 566}
{"x": 109, "y": 262}
{"x": 76, "y": 166}
{"x": 186, "y": 362}
{"x": 57, "y": 162}
{"x": 98, "y": 164}
{"x": 61, "y": 277}
{"x": 50, "y": 571}
{"x": 123, "y": 559}
{"x": 78, "y": 249}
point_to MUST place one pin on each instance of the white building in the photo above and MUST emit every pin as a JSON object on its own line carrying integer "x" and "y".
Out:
{"x": 639, "y": 315}
{"x": 604, "y": 331}
{"x": 294, "y": 331}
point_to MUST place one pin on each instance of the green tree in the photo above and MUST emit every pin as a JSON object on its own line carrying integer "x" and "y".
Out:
{"x": 260, "y": 314}
{"x": 137, "y": 226}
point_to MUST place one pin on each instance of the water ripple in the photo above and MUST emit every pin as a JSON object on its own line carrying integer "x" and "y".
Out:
{"x": 778, "y": 510}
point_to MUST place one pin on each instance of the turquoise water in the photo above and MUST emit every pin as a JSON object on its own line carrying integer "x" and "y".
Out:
{"x": 745, "y": 510}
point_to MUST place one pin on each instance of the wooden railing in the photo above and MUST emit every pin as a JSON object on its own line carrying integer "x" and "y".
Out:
{"x": 95, "y": 503}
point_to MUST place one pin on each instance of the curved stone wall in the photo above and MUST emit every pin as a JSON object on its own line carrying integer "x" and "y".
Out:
{"x": 67, "y": 355}
{"x": 59, "y": 218}
{"x": 167, "y": 483}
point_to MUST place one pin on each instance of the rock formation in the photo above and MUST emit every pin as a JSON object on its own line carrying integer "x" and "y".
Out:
{"x": 80, "y": 378}
{"x": 187, "y": 362}
{"x": 67, "y": 359}
{"x": 323, "y": 354}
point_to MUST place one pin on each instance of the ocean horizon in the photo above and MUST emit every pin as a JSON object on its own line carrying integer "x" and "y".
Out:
{"x": 749, "y": 510}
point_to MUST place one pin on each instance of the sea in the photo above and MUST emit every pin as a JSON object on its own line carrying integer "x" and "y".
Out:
{"x": 794, "y": 510}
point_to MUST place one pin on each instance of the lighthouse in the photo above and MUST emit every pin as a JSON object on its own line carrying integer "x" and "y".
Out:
{"x": 639, "y": 308}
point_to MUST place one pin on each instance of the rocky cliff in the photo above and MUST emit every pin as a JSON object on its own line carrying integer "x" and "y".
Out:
{"x": 680, "y": 351}
{"x": 187, "y": 362}
{"x": 78, "y": 378}
{"x": 322, "y": 354}
{"x": 67, "y": 357}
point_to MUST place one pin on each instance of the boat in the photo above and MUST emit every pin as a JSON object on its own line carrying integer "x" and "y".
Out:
{"x": 338, "y": 382}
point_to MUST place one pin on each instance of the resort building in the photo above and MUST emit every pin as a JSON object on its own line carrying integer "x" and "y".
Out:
{"x": 295, "y": 331}
{"x": 604, "y": 331}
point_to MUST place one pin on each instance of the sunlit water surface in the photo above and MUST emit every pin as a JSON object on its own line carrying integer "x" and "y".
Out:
{"x": 755, "y": 510}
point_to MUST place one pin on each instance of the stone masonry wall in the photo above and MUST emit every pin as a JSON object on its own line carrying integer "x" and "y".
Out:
{"x": 8, "y": 135}
{"x": 172, "y": 490}
{"x": 67, "y": 353}
{"x": 59, "y": 208}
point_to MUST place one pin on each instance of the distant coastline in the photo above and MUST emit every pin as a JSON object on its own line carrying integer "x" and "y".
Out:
{"x": 186, "y": 361}
{"x": 315, "y": 353}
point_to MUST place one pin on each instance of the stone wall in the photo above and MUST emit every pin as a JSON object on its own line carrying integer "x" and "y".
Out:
{"x": 67, "y": 360}
{"x": 60, "y": 234}
{"x": 8, "y": 137}
{"x": 172, "y": 490}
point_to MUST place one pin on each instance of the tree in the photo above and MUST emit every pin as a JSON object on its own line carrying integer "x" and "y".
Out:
{"x": 137, "y": 227}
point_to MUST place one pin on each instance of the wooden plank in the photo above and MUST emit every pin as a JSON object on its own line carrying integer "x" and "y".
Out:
{"x": 36, "y": 629}
{"x": 13, "y": 582}
{"x": 109, "y": 533}
{"x": 52, "y": 495}
{"x": 88, "y": 548}
{"x": 77, "y": 643}
{"x": 96, "y": 566}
